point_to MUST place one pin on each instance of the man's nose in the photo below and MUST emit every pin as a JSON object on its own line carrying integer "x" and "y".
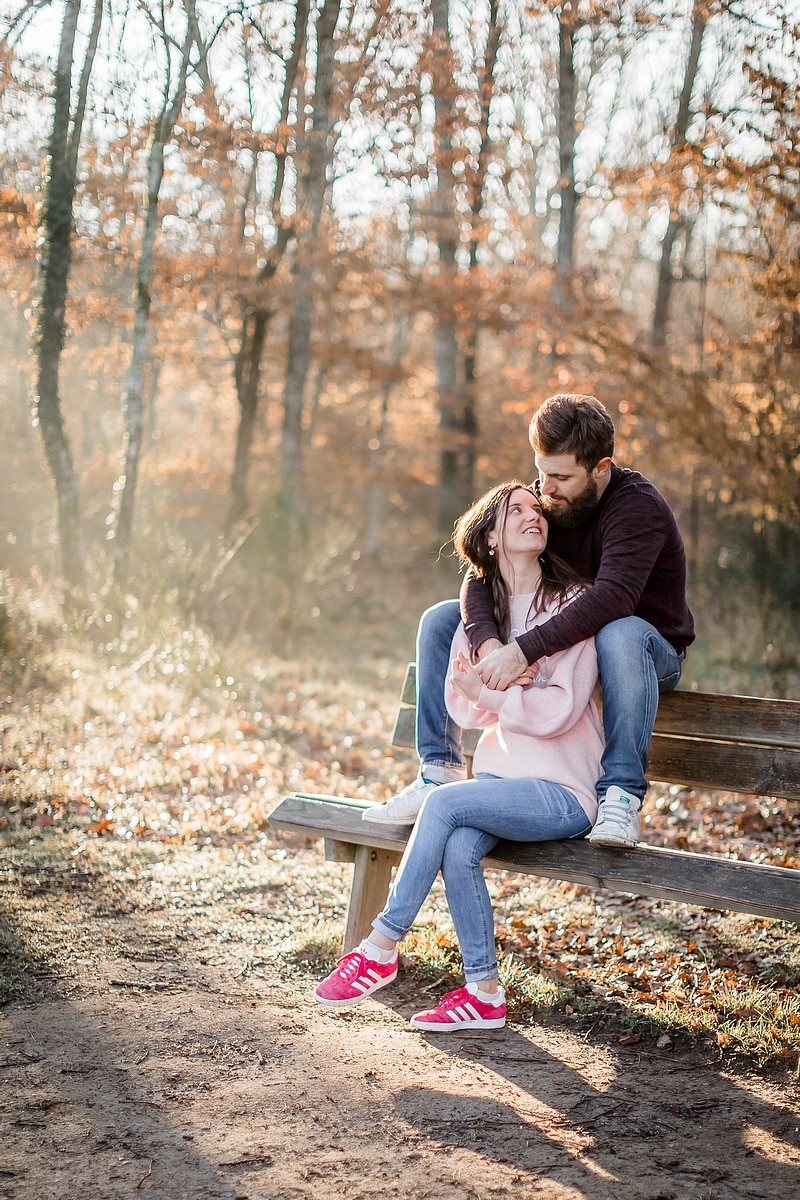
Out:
{"x": 545, "y": 485}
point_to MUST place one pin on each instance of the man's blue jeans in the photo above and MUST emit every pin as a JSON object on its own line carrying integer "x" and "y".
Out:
{"x": 636, "y": 664}
{"x": 458, "y": 824}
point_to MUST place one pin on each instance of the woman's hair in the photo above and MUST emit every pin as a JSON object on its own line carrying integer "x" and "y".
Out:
{"x": 569, "y": 423}
{"x": 471, "y": 542}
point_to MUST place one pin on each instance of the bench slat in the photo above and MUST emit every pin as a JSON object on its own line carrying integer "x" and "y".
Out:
{"x": 748, "y": 719}
{"x": 764, "y": 771}
{"x": 664, "y": 874}
{"x": 676, "y": 875}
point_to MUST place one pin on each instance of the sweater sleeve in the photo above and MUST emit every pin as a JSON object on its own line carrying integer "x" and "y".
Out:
{"x": 551, "y": 708}
{"x": 477, "y": 610}
{"x": 633, "y": 534}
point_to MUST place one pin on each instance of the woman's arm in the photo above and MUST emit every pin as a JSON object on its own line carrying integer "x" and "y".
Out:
{"x": 551, "y": 708}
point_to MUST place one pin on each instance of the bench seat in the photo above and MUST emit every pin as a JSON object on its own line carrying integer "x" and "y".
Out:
{"x": 748, "y": 745}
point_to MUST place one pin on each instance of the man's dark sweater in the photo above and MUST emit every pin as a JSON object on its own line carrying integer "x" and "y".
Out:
{"x": 632, "y": 550}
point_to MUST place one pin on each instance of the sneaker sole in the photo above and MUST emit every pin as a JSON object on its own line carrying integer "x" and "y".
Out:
{"x": 355, "y": 999}
{"x": 458, "y": 1026}
{"x": 607, "y": 839}
{"x": 370, "y": 815}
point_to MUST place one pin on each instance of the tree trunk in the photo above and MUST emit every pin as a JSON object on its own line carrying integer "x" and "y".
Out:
{"x": 568, "y": 213}
{"x": 377, "y": 486}
{"x": 318, "y": 151}
{"x": 666, "y": 278}
{"x": 297, "y": 365}
{"x": 134, "y": 382}
{"x": 256, "y": 315}
{"x": 486, "y": 84}
{"x": 451, "y": 483}
{"x": 57, "y": 224}
{"x": 248, "y": 376}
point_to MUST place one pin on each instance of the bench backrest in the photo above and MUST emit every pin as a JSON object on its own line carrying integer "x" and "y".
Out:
{"x": 701, "y": 739}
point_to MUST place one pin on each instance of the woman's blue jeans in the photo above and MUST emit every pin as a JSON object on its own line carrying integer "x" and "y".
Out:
{"x": 636, "y": 664}
{"x": 458, "y": 824}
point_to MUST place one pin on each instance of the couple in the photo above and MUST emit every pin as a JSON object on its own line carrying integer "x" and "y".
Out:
{"x": 523, "y": 664}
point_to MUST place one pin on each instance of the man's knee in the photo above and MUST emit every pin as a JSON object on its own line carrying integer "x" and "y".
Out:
{"x": 619, "y": 637}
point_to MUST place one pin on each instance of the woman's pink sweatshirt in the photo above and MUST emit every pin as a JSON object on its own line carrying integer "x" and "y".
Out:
{"x": 549, "y": 729}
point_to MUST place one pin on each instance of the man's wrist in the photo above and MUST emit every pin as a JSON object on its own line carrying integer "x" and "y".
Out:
{"x": 487, "y": 647}
{"x": 526, "y": 649}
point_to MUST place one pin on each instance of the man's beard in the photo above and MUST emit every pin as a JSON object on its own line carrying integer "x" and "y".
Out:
{"x": 575, "y": 512}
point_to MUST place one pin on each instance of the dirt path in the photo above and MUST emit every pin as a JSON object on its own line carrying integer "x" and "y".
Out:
{"x": 177, "y": 1054}
{"x": 214, "y": 1091}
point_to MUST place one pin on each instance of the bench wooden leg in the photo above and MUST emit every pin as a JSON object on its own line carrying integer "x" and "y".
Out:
{"x": 371, "y": 875}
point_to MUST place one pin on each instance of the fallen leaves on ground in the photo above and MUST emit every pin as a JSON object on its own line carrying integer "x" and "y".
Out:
{"x": 172, "y": 743}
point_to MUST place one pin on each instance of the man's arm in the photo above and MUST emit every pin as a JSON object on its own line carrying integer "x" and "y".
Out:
{"x": 508, "y": 664}
{"x": 477, "y": 613}
{"x": 633, "y": 535}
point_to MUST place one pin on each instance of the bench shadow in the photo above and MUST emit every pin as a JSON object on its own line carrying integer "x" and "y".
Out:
{"x": 657, "y": 1125}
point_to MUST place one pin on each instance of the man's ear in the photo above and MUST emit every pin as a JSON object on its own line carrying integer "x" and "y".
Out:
{"x": 602, "y": 467}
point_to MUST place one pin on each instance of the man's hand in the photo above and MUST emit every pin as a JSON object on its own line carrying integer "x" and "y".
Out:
{"x": 505, "y": 666}
{"x": 486, "y": 648}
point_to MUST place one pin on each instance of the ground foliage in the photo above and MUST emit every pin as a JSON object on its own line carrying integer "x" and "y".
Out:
{"x": 141, "y": 760}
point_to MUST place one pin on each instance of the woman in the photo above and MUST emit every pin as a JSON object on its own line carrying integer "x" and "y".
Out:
{"x": 536, "y": 766}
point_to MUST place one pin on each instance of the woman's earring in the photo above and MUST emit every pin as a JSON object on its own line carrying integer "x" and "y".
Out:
{"x": 491, "y": 552}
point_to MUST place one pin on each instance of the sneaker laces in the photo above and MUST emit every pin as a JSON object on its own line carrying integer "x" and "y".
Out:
{"x": 351, "y": 965}
{"x": 453, "y": 999}
{"x": 615, "y": 812}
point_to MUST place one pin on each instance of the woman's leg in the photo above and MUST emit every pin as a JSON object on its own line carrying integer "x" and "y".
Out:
{"x": 551, "y": 812}
{"x": 489, "y": 808}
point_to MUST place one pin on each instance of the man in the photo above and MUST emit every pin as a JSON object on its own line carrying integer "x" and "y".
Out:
{"x": 618, "y": 532}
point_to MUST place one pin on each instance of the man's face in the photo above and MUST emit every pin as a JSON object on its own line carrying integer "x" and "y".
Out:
{"x": 569, "y": 492}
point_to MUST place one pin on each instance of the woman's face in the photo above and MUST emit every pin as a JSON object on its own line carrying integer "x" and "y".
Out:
{"x": 523, "y": 528}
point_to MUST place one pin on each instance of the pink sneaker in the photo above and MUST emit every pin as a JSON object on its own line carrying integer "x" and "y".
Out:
{"x": 355, "y": 978}
{"x": 463, "y": 1008}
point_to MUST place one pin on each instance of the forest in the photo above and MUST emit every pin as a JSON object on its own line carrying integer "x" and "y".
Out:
{"x": 284, "y": 282}
{"x": 281, "y": 284}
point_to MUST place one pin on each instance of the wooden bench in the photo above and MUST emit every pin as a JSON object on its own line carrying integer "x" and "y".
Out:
{"x": 731, "y": 743}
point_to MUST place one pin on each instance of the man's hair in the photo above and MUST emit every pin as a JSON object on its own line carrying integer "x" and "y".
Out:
{"x": 569, "y": 423}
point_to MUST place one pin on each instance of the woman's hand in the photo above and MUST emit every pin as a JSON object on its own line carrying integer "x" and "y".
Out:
{"x": 464, "y": 679}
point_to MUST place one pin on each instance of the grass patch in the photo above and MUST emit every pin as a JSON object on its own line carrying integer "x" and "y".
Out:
{"x": 432, "y": 955}
{"x": 19, "y": 978}
{"x": 317, "y": 953}
{"x": 530, "y": 991}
